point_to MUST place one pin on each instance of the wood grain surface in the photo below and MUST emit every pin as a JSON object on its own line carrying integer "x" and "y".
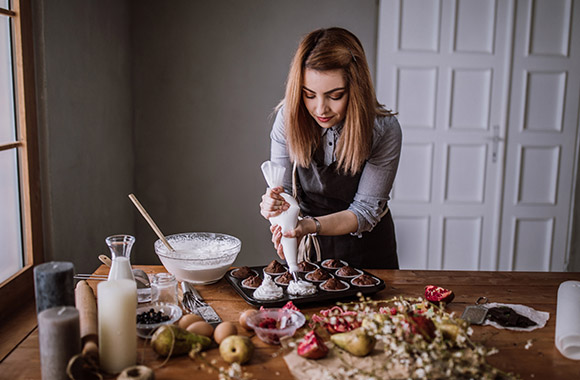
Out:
{"x": 538, "y": 290}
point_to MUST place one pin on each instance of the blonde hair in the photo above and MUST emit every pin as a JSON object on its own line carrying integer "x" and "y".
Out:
{"x": 331, "y": 49}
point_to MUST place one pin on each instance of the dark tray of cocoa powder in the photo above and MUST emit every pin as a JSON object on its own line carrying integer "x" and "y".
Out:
{"x": 320, "y": 296}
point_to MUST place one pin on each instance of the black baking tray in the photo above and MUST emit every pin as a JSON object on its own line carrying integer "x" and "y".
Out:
{"x": 320, "y": 296}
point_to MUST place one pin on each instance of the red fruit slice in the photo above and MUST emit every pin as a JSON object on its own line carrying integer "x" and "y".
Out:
{"x": 438, "y": 294}
{"x": 291, "y": 306}
{"x": 419, "y": 324}
{"x": 267, "y": 323}
{"x": 312, "y": 346}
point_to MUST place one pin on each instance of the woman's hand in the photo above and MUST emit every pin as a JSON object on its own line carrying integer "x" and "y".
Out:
{"x": 273, "y": 203}
{"x": 303, "y": 227}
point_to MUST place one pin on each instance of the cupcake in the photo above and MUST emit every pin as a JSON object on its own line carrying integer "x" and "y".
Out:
{"x": 243, "y": 273}
{"x": 318, "y": 275}
{"x": 274, "y": 268}
{"x": 333, "y": 263}
{"x": 252, "y": 282}
{"x": 305, "y": 266}
{"x": 364, "y": 280}
{"x": 268, "y": 291}
{"x": 334, "y": 285}
{"x": 284, "y": 279}
{"x": 348, "y": 271}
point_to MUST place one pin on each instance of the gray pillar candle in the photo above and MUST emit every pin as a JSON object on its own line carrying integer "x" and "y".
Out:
{"x": 59, "y": 340}
{"x": 53, "y": 285}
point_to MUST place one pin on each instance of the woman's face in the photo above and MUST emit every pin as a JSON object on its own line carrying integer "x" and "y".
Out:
{"x": 325, "y": 96}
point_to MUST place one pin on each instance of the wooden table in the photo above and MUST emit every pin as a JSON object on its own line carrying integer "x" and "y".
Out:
{"x": 538, "y": 290}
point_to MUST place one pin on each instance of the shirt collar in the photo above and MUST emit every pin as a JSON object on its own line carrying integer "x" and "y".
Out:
{"x": 335, "y": 128}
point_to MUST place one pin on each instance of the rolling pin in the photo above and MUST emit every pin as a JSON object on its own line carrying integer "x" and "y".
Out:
{"x": 87, "y": 306}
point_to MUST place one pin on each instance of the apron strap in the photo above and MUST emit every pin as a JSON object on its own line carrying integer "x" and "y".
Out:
{"x": 294, "y": 188}
{"x": 310, "y": 240}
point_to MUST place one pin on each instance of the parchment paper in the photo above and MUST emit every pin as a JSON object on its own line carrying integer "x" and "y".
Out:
{"x": 339, "y": 365}
{"x": 540, "y": 317}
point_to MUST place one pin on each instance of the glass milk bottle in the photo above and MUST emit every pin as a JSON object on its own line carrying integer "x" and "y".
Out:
{"x": 120, "y": 246}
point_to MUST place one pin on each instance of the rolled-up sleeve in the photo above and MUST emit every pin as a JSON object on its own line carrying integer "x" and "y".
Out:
{"x": 376, "y": 182}
{"x": 279, "y": 151}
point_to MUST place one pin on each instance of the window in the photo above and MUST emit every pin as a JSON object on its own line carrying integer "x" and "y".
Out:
{"x": 20, "y": 218}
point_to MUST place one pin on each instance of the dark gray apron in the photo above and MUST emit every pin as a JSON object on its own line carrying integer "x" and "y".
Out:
{"x": 323, "y": 190}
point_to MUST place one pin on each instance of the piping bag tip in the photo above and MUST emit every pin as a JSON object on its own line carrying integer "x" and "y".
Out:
{"x": 294, "y": 276}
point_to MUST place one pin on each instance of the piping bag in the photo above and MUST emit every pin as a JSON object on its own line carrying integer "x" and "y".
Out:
{"x": 287, "y": 220}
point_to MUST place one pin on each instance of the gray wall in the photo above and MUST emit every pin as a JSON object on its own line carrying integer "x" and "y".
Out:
{"x": 85, "y": 99}
{"x": 171, "y": 101}
{"x": 206, "y": 77}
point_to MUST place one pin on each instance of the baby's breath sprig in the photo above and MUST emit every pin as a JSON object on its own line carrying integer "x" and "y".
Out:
{"x": 418, "y": 337}
{"x": 233, "y": 372}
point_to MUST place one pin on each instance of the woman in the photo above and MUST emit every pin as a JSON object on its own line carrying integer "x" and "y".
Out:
{"x": 345, "y": 147}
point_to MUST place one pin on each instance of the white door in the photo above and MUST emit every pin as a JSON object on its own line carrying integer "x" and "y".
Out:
{"x": 445, "y": 66}
{"x": 542, "y": 137}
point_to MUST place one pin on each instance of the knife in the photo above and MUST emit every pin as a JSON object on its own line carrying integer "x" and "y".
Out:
{"x": 195, "y": 304}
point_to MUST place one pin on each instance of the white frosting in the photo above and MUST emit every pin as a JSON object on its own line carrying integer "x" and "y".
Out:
{"x": 268, "y": 290}
{"x": 301, "y": 288}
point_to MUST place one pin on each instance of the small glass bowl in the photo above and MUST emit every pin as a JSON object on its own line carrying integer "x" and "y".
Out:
{"x": 284, "y": 322}
{"x": 146, "y": 330}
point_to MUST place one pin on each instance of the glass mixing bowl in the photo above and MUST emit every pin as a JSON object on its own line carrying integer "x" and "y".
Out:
{"x": 199, "y": 257}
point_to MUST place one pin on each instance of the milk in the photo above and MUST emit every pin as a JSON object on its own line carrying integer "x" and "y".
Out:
{"x": 121, "y": 269}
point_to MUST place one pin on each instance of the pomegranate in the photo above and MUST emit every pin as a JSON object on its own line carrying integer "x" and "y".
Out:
{"x": 312, "y": 346}
{"x": 438, "y": 294}
{"x": 419, "y": 324}
{"x": 336, "y": 320}
{"x": 290, "y": 305}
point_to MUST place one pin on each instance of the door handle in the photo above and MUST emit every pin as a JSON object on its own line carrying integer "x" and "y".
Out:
{"x": 495, "y": 140}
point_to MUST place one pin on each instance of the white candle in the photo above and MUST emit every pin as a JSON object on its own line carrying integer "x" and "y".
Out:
{"x": 117, "y": 303}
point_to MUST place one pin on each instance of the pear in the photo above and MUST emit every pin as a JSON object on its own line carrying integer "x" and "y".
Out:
{"x": 356, "y": 342}
{"x": 449, "y": 329}
{"x": 177, "y": 341}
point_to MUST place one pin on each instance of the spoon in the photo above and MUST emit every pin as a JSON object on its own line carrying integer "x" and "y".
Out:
{"x": 140, "y": 276}
{"x": 151, "y": 222}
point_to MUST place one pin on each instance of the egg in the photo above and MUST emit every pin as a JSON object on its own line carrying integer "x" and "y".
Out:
{"x": 223, "y": 330}
{"x": 201, "y": 328}
{"x": 188, "y": 319}
{"x": 243, "y": 318}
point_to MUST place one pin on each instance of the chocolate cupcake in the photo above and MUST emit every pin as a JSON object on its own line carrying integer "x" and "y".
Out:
{"x": 274, "y": 268}
{"x": 333, "y": 263}
{"x": 252, "y": 282}
{"x": 318, "y": 275}
{"x": 284, "y": 279}
{"x": 348, "y": 271}
{"x": 334, "y": 285}
{"x": 305, "y": 266}
{"x": 243, "y": 273}
{"x": 364, "y": 280}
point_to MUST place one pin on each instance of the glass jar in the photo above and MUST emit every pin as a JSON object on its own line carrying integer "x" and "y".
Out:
{"x": 164, "y": 288}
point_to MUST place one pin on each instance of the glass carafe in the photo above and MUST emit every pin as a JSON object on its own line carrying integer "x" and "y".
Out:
{"x": 120, "y": 246}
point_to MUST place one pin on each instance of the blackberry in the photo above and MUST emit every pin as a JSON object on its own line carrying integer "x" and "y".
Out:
{"x": 151, "y": 317}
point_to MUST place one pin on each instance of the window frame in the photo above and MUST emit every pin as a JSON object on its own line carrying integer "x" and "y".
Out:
{"x": 17, "y": 292}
